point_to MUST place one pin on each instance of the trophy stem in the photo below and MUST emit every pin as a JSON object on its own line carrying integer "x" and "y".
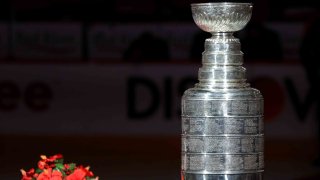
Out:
{"x": 221, "y": 34}
{"x": 222, "y": 63}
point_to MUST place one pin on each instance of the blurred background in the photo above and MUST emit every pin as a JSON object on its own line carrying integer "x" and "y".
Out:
{"x": 101, "y": 82}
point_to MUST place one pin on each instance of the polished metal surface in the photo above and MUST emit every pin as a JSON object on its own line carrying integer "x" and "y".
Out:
{"x": 221, "y": 17}
{"x": 222, "y": 116}
{"x": 252, "y": 176}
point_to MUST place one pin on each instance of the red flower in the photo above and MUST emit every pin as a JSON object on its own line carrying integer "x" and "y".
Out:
{"x": 51, "y": 158}
{"x": 26, "y": 178}
{"x": 56, "y": 175}
{"x": 52, "y": 168}
{"x": 48, "y": 174}
{"x": 88, "y": 173}
{"x": 27, "y": 175}
{"x": 55, "y": 157}
{"x": 78, "y": 174}
{"x": 42, "y": 164}
{"x": 45, "y": 175}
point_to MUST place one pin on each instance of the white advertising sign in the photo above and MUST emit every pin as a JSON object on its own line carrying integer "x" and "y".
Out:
{"x": 133, "y": 99}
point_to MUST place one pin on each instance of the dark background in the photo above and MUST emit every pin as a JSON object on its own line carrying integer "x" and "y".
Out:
{"x": 126, "y": 11}
{"x": 146, "y": 156}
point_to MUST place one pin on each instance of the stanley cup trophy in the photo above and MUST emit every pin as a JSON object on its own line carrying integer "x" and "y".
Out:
{"x": 222, "y": 116}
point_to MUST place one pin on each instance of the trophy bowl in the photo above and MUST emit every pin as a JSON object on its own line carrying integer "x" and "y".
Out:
{"x": 221, "y": 17}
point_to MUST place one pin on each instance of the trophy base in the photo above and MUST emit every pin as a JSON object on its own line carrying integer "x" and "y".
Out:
{"x": 251, "y": 176}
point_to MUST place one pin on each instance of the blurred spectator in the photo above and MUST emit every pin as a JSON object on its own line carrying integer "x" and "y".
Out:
{"x": 260, "y": 43}
{"x": 311, "y": 62}
{"x": 257, "y": 42}
{"x": 147, "y": 47}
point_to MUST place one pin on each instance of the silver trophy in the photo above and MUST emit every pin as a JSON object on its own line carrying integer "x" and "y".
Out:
{"x": 222, "y": 116}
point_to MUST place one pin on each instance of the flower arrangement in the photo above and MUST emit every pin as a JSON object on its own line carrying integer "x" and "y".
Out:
{"x": 53, "y": 168}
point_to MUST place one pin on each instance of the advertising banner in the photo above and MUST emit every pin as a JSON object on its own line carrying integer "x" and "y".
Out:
{"x": 53, "y": 41}
{"x": 64, "y": 41}
{"x": 124, "y": 99}
{"x": 112, "y": 41}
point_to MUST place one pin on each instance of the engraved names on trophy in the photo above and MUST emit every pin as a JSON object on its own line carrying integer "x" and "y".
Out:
{"x": 222, "y": 135}
{"x": 205, "y": 107}
{"x": 222, "y": 144}
{"x": 196, "y": 162}
{"x": 215, "y": 163}
{"x": 222, "y": 125}
{"x": 233, "y": 163}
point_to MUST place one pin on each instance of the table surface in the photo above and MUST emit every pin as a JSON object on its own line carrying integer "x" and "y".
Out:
{"x": 142, "y": 158}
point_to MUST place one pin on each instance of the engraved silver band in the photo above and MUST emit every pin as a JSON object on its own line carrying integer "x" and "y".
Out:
{"x": 240, "y": 176}
{"x": 224, "y": 172}
{"x": 224, "y": 135}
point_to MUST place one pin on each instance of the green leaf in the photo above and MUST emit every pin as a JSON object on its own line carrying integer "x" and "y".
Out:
{"x": 90, "y": 178}
{"x": 59, "y": 161}
{"x": 63, "y": 174}
{"x": 60, "y": 166}
{"x": 38, "y": 171}
{"x": 72, "y": 166}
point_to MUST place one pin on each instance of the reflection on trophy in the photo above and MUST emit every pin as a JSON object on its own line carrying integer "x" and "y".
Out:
{"x": 222, "y": 117}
